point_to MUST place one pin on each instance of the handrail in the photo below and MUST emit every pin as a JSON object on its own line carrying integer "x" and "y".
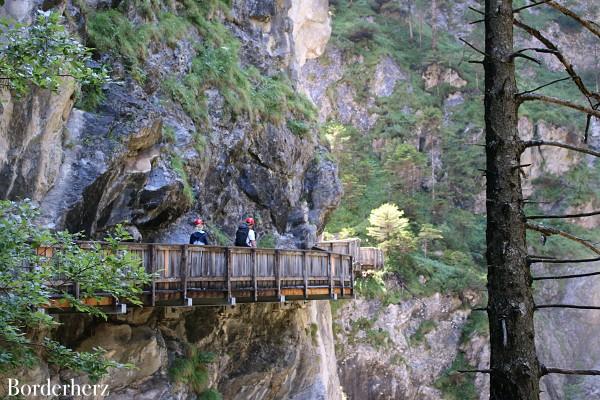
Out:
{"x": 219, "y": 274}
{"x": 367, "y": 257}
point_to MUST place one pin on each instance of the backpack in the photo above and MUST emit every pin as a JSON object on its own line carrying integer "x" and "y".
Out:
{"x": 241, "y": 236}
{"x": 199, "y": 237}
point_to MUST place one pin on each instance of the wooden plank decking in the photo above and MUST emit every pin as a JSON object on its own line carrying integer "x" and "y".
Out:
{"x": 186, "y": 275}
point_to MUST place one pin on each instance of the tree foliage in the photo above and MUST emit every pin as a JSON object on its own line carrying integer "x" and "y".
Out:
{"x": 43, "y": 54}
{"x": 427, "y": 234}
{"x": 390, "y": 229}
{"x": 29, "y": 280}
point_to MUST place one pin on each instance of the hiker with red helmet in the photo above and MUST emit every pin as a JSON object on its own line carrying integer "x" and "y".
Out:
{"x": 245, "y": 235}
{"x": 199, "y": 236}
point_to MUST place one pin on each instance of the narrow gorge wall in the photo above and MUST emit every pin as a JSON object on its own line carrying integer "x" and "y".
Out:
{"x": 145, "y": 159}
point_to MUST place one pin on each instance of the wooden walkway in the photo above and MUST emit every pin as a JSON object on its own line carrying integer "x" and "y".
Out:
{"x": 366, "y": 257}
{"x": 186, "y": 275}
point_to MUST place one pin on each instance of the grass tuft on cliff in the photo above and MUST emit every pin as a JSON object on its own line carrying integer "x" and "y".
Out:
{"x": 192, "y": 370}
{"x": 216, "y": 65}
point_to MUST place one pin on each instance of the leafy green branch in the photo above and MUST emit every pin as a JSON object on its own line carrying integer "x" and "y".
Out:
{"x": 30, "y": 279}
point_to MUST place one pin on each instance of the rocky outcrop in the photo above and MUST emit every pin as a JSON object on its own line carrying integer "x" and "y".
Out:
{"x": 260, "y": 351}
{"x": 31, "y": 140}
{"x": 435, "y": 75}
{"x": 311, "y": 29}
{"x": 562, "y": 336}
{"x": 400, "y": 349}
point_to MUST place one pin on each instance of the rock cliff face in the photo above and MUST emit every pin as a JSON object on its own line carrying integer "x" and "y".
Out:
{"x": 141, "y": 160}
{"x": 255, "y": 352}
{"x": 144, "y": 160}
{"x": 92, "y": 170}
{"x": 403, "y": 350}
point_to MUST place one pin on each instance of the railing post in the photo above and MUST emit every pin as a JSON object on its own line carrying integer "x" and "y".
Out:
{"x": 183, "y": 270}
{"x": 305, "y": 273}
{"x": 254, "y": 273}
{"x": 152, "y": 262}
{"x": 278, "y": 274}
{"x": 330, "y": 273}
{"x": 352, "y": 277}
{"x": 228, "y": 273}
{"x": 343, "y": 273}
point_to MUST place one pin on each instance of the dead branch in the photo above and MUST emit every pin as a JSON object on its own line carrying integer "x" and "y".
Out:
{"x": 589, "y": 25}
{"x": 546, "y": 371}
{"x": 525, "y": 56}
{"x": 538, "y": 259}
{"x": 542, "y": 257}
{"x": 581, "y": 215}
{"x": 517, "y": 10}
{"x": 473, "y": 47}
{"x": 474, "y": 371}
{"x": 573, "y": 276}
{"x": 476, "y": 10}
{"x": 537, "y": 50}
{"x": 476, "y": 21}
{"x": 475, "y": 62}
{"x": 561, "y": 102}
{"x": 571, "y": 306}
{"x": 536, "y": 143}
{"x": 543, "y": 86}
{"x": 568, "y": 66}
{"x": 521, "y": 166}
{"x": 549, "y": 231}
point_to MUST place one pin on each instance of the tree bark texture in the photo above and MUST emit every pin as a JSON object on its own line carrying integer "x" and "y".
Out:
{"x": 515, "y": 369}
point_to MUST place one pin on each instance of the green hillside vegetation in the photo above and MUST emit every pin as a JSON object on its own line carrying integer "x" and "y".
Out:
{"x": 399, "y": 173}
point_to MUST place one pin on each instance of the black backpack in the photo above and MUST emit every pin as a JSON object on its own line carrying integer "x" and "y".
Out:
{"x": 241, "y": 236}
{"x": 199, "y": 238}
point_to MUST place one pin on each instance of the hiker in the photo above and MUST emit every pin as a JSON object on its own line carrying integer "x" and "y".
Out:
{"x": 199, "y": 236}
{"x": 245, "y": 235}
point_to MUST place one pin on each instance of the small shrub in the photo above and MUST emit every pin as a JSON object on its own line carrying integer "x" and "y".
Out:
{"x": 314, "y": 329}
{"x": 456, "y": 385}
{"x": 298, "y": 128}
{"x": 178, "y": 166}
{"x": 371, "y": 285}
{"x": 267, "y": 241}
{"x": 419, "y": 335}
{"x": 192, "y": 370}
{"x": 168, "y": 134}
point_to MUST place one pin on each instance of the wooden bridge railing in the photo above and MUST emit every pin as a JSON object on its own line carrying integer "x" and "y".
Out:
{"x": 216, "y": 275}
{"x": 342, "y": 246}
{"x": 371, "y": 257}
{"x": 367, "y": 257}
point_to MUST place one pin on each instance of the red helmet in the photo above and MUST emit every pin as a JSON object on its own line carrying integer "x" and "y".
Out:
{"x": 250, "y": 221}
{"x": 198, "y": 221}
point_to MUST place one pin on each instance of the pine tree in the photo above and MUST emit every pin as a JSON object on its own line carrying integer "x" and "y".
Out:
{"x": 390, "y": 228}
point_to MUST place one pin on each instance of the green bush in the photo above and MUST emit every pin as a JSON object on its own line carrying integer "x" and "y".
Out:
{"x": 178, "y": 166}
{"x": 111, "y": 270}
{"x": 424, "y": 328}
{"x": 455, "y": 385}
{"x": 192, "y": 370}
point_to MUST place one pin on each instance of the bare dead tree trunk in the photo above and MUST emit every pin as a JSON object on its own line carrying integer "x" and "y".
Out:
{"x": 514, "y": 367}
{"x": 433, "y": 24}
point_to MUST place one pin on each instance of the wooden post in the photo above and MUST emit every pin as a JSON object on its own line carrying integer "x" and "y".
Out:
{"x": 305, "y": 274}
{"x": 183, "y": 270}
{"x": 278, "y": 274}
{"x": 228, "y": 272}
{"x": 254, "y": 273}
{"x": 330, "y": 273}
{"x": 343, "y": 273}
{"x": 352, "y": 276}
{"x": 151, "y": 261}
